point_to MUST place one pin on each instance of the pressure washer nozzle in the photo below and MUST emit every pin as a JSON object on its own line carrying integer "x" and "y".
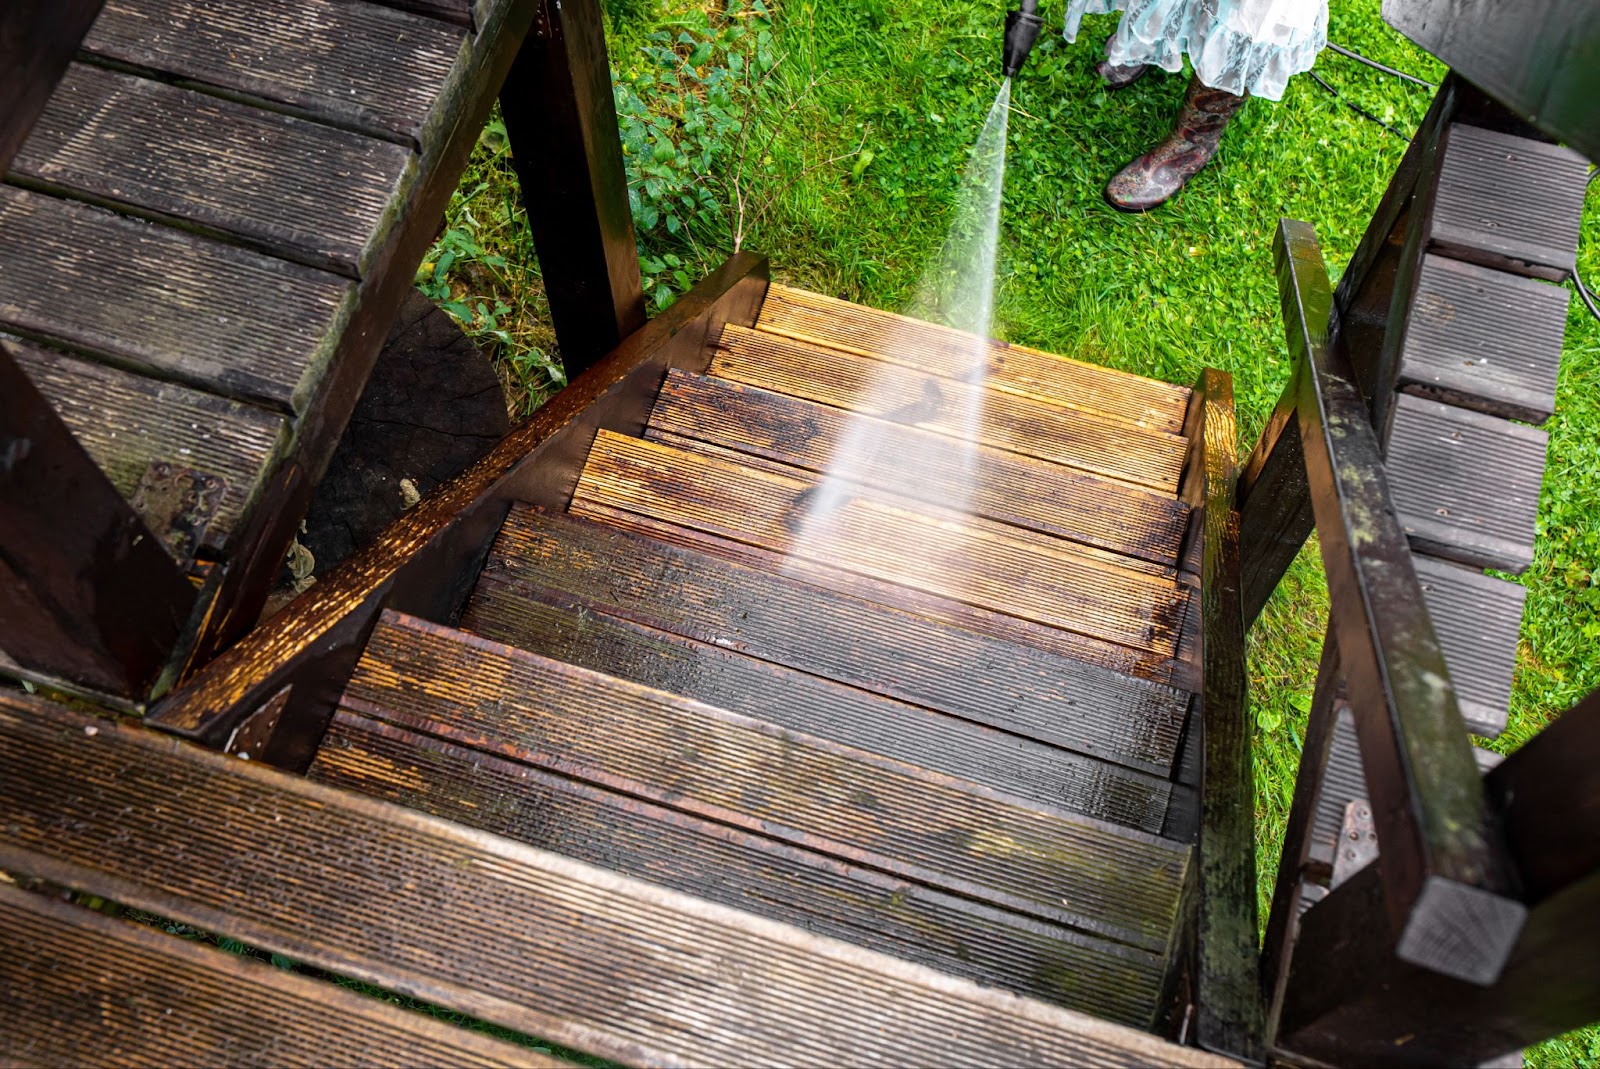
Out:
{"x": 1022, "y": 30}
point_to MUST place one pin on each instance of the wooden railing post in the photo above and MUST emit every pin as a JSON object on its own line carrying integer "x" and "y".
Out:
{"x": 38, "y": 38}
{"x": 562, "y": 123}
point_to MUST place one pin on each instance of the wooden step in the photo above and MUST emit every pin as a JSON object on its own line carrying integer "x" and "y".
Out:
{"x": 1025, "y": 769}
{"x": 83, "y": 989}
{"x": 857, "y": 807}
{"x": 1048, "y": 498}
{"x": 950, "y": 407}
{"x": 852, "y": 328}
{"x": 473, "y": 922}
{"x": 1465, "y": 485}
{"x": 1478, "y": 619}
{"x": 722, "y": 864}
{"x": 1484, "y": 339}
{"x": 1508, "y": 202}
{"x": 1016, "y": 688}
{"x": 959, "y": 560}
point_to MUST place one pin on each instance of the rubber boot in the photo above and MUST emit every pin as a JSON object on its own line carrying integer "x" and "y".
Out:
{"x": 1153, "y": 178}
{"x": 1119, "y": 76}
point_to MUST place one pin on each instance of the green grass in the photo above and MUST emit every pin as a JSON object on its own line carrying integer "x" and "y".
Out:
{"x": 1189, "y": 286}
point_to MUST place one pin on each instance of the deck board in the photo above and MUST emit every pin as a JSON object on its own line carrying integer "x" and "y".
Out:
{"x": 1477, "y": 618}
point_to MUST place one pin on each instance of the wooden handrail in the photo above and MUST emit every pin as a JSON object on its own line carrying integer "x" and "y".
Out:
{"x": 38, "y": 39}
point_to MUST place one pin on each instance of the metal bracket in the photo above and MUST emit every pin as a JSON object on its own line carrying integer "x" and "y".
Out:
{"x": 1358, "y": 842}
{"x": 250, "y": 738}
{"x": 178, "y": 505}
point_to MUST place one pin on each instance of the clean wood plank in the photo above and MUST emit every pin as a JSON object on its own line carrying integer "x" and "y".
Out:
{"x": 1048, "y": 498}
{"x": 1465, "y": 485}
{"x": 1023, "y": 768}
{"x": 224, "y": 319}
{"x": 1100, "y": 391}
{"x": 370, "y": 68}
{"x": 1477, "y": 618}
{"x": 83, "y": 989}
{"x": 952, "y": 408}
{"x": 126, "y": 421}
{"x": 1013, "y": 687}
{"x": 735, "y": 868}
{"x": 1485, "y": 339}
{"x": 863, "y": 809}
{"x": 282, "y": 184}
{"x": 948, "y": 558}
{"x": 473, "y": 922}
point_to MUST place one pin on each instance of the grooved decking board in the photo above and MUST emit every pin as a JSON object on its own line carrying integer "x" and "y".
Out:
{"x": 456, "y": 11}
{"x": 486, "y": 926}
{"x": 126, "y": 421}
{"x": 1465, "y": 485}
{"x": 222, "y": 318}
{"x": 952, "y": 408}
{"x": 1342, "y": 783}
{"x": 83, "y": 989}
{"x": 1484, "y": 338}
{"x": 1049, "y": 498}
{"x": 371, "y": 68}
{"x": 284, "y": 184}
{"x": 855, "y": 806}
{"x": 734, "y": 868}
{"x": 1017, "y": 688}
{"x": 764, "y": 691}
{"x": 1509, "y": 202}
{"x": 1477, "y": 618}
{"x": 950, "y": 558}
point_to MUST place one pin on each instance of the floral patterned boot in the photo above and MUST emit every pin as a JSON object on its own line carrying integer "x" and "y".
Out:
{"x": 1118, "y": 75}
{"x": 1153, "y": 178}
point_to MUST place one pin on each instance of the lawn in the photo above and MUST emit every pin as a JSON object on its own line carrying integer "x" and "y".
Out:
{"x": 847, "y": 155}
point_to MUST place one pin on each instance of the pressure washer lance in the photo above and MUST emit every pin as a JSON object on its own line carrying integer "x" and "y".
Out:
{"x": 1022, "y": 29}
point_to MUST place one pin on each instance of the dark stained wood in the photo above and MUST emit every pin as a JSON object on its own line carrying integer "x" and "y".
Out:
{"x": 456, "y": 11}
{"x": 87, "y": 593}
{"x": 1274, "y": 500}
{"x": 314, "y": 643}
{"x": 746, "y": 871}
{"x": 293, "y": 188}
{"x": 89, "y": 990}
{"x": 1448, "y": 884}
{"x": 37, "y": 41}
{"x": 562, "y": 122}
{"x": 583, "y": 963}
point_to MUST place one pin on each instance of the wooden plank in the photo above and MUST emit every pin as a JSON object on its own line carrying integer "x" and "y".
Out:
{"x": 738, "y": 869}
{"x": 860, "y": 808}
{"x": 1016, "y": 688}
{"x": 456, "y": 11}
{"x": 1508, "y": 202}
{"x": 37, "y": 42}
{"x": 951, "y": 408}
{"x": 1001, "y": 486}
{"x": 126, "y": 421}
{"x": 997, "y": 573}
{"x": 88, "y": 990}
{"x": 1275, "y": 515}
{"x": 1484, "y": 339}
{"x": 358, "y": 65}
{"x": 223, "y": 319}
{"x": 294, "y": 188}
{"x": 852, "y": 328}
{"x": 1023, "y": 768}
{"x": 1465, "y": 485}
{"x": 472, "y": 922}
{"x": 1478, "y": 619}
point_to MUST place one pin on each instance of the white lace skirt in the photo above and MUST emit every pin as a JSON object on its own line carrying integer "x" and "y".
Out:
{"x": 1240, "y": 46}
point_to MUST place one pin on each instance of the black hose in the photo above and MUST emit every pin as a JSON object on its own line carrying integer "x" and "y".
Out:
{"x": 1359, "y": 58}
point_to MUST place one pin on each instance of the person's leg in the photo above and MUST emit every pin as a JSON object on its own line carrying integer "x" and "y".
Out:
{"x": 1154, "y": 177}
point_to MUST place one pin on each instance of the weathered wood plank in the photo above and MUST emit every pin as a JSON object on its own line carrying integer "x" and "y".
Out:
{"x": 1048, "y": 498}
{"x": 951, "y": 408}
{"x": 939, "y": 555}
{"x": 88, "y": 990}
{"x": 1477, "y": 618}
{"x": 37, "y": 42}
{"x": 281, "y": 184}
{"x": 853, "y": 328}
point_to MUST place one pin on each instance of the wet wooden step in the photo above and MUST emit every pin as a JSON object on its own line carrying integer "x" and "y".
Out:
{"x": 1478, "y": 619}
{"x": 953, "y": 408}
{"x": 1508, "y": 202}
{"x": 1048, "y": 498}
{"x": 83, "y": 989}
{"x": 1023, "y": 768}
{"x": 857, "y": 807}
{"x": 1484, "y": 339}
{"x": 1465, "y": 485}
{"x": 952, "y": 558}
{"x": 469, "y": 921}
{"x": 736, "y": 868}
{"x": 852, "y": 328}
{"x": 1017, "y": 688}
